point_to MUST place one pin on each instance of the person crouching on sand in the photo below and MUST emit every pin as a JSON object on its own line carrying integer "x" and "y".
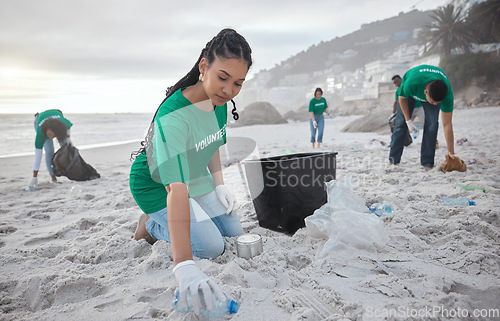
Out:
{"x": 48, "y": 125}
{"x": 176, "y": 178}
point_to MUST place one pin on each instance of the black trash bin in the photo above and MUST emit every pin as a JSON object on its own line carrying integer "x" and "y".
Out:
{"x": 286, "y": 189}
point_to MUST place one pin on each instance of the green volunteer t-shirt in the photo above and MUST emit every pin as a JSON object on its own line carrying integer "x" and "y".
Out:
{"x": 42, "y": 117}
{"x": 415, "y": 80}
{"x": 398, "y": 93}
{"x": 318, "y": 106}
{"x": 185, "y": 140}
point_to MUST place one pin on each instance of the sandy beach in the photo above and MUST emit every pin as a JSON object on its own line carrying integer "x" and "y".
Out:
{"x": 67, "y": 251}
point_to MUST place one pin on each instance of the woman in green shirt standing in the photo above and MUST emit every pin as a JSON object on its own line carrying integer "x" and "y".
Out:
{"x": 317, "y": 106}
{"x": 176, "y": 178}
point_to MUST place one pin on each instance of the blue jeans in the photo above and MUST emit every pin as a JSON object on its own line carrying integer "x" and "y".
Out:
{"x": 320, "y": 120}
{"x": 48, "y": 146}
{"x": 431, "y": 126}
{"x": 208, "y": 225}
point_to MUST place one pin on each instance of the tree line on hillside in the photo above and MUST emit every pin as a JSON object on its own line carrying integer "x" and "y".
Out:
{"x": 452, "y": 32}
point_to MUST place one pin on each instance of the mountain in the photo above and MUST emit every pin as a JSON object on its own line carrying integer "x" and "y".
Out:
{"x": 290, "y": 82}
{"x": 372, "y": 42}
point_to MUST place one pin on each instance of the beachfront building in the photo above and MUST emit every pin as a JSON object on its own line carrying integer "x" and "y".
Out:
{"x": 353, "y": 84}
{"x": 381, "y": 71}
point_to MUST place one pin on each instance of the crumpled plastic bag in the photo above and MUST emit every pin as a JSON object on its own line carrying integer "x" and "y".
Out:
{"x": 464, "y": 142}
{"x": 346, "y": 223}
{"x": 480, "y": 159}
{"x": 319, "y": 224}
{"x": 453, "y": 164}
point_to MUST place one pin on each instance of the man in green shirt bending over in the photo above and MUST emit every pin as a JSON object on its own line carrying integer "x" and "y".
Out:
{"x": 430, "y": 86}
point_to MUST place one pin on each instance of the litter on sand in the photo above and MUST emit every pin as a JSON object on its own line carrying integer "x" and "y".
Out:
{"x": 472, "y": 188}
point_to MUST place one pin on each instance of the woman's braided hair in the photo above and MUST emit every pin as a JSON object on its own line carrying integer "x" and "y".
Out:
{"x": 57, "y": 126}
{"x": 226, "y": 44}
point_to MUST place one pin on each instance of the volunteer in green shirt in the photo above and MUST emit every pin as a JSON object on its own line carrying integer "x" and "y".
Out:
{"x": 430, "y": 86}
{"x": 48, "y": 125}
{"x": 317, "y": 106}
{"x": 176, "y": 178}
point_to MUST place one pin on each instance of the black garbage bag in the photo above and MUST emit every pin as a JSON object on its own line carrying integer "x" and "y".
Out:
{"x": 392, "y": 124}
{"x": 286, "y": 189}
{"x": 68, "y": 162}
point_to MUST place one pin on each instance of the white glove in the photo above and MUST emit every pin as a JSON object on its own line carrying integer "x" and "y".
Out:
{"x": 226, "y": 197}
{"x": 315, "y": 124}
{"x": 33, "y": 185}
{"x": 411, "y": 126}
{"x": 392, "y": 115}
{"x": 192, "y": 279}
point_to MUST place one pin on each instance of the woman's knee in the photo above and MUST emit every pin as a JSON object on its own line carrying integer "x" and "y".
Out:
{"x": 234, "y": 230}
{"x": 228, "y": 225}
{"x": 210, "y": 249}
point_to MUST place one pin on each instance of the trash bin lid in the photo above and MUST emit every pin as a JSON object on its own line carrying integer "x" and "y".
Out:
{"x": 290, "y": 157}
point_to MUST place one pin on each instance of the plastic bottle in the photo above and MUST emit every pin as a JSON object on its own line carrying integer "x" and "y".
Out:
{"x": 219, "y": 310}
{"x": 457, "y": 201}
{"x": 381, "y": 209}
{"x": 416, "y": 132}
{"x": 31, "y": 189}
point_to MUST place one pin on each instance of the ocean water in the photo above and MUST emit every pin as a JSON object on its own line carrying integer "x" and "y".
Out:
{"x": 89, "y": 130}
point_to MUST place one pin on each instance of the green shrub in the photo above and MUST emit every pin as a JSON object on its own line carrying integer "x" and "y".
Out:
{"x": 462, "y": 70}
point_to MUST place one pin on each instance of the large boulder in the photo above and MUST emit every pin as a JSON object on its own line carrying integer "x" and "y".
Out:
{"x": 355, "y": 107}
{"x": 474, "y": 95}
{"x": 477, "y": 96}
{"x": 376, "y": 121}
{"x": 301, "y": 114}
{"x": 259, "y": 113}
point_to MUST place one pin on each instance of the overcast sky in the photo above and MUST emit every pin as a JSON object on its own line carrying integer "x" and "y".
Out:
{"x": 120, "y": 55}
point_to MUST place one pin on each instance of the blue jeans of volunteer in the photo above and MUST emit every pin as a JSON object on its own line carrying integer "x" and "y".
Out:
{"x": 320, "y": 120}
{"x": 48, "y": 146}
{"x": 431, "y": 126}
{"x": 208, "y": 225}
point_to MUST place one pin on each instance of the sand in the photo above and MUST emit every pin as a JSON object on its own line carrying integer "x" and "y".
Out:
{"x": 67, "y": 253}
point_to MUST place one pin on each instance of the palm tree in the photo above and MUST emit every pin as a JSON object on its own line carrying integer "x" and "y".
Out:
{"x": 484, "y": 17}
{"x": 447, "y": 31}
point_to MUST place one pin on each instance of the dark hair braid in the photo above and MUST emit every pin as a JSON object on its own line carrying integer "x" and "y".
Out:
{"x": 226, "y": 44}
{"x": 57, "y": 126}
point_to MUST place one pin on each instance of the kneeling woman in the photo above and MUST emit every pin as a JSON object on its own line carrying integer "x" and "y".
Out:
{"x": 176, "y": 178}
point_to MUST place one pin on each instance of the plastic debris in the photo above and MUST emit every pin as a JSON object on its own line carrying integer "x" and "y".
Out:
{"x": 472, "y": 188}
{"x": 464, "y": 142}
